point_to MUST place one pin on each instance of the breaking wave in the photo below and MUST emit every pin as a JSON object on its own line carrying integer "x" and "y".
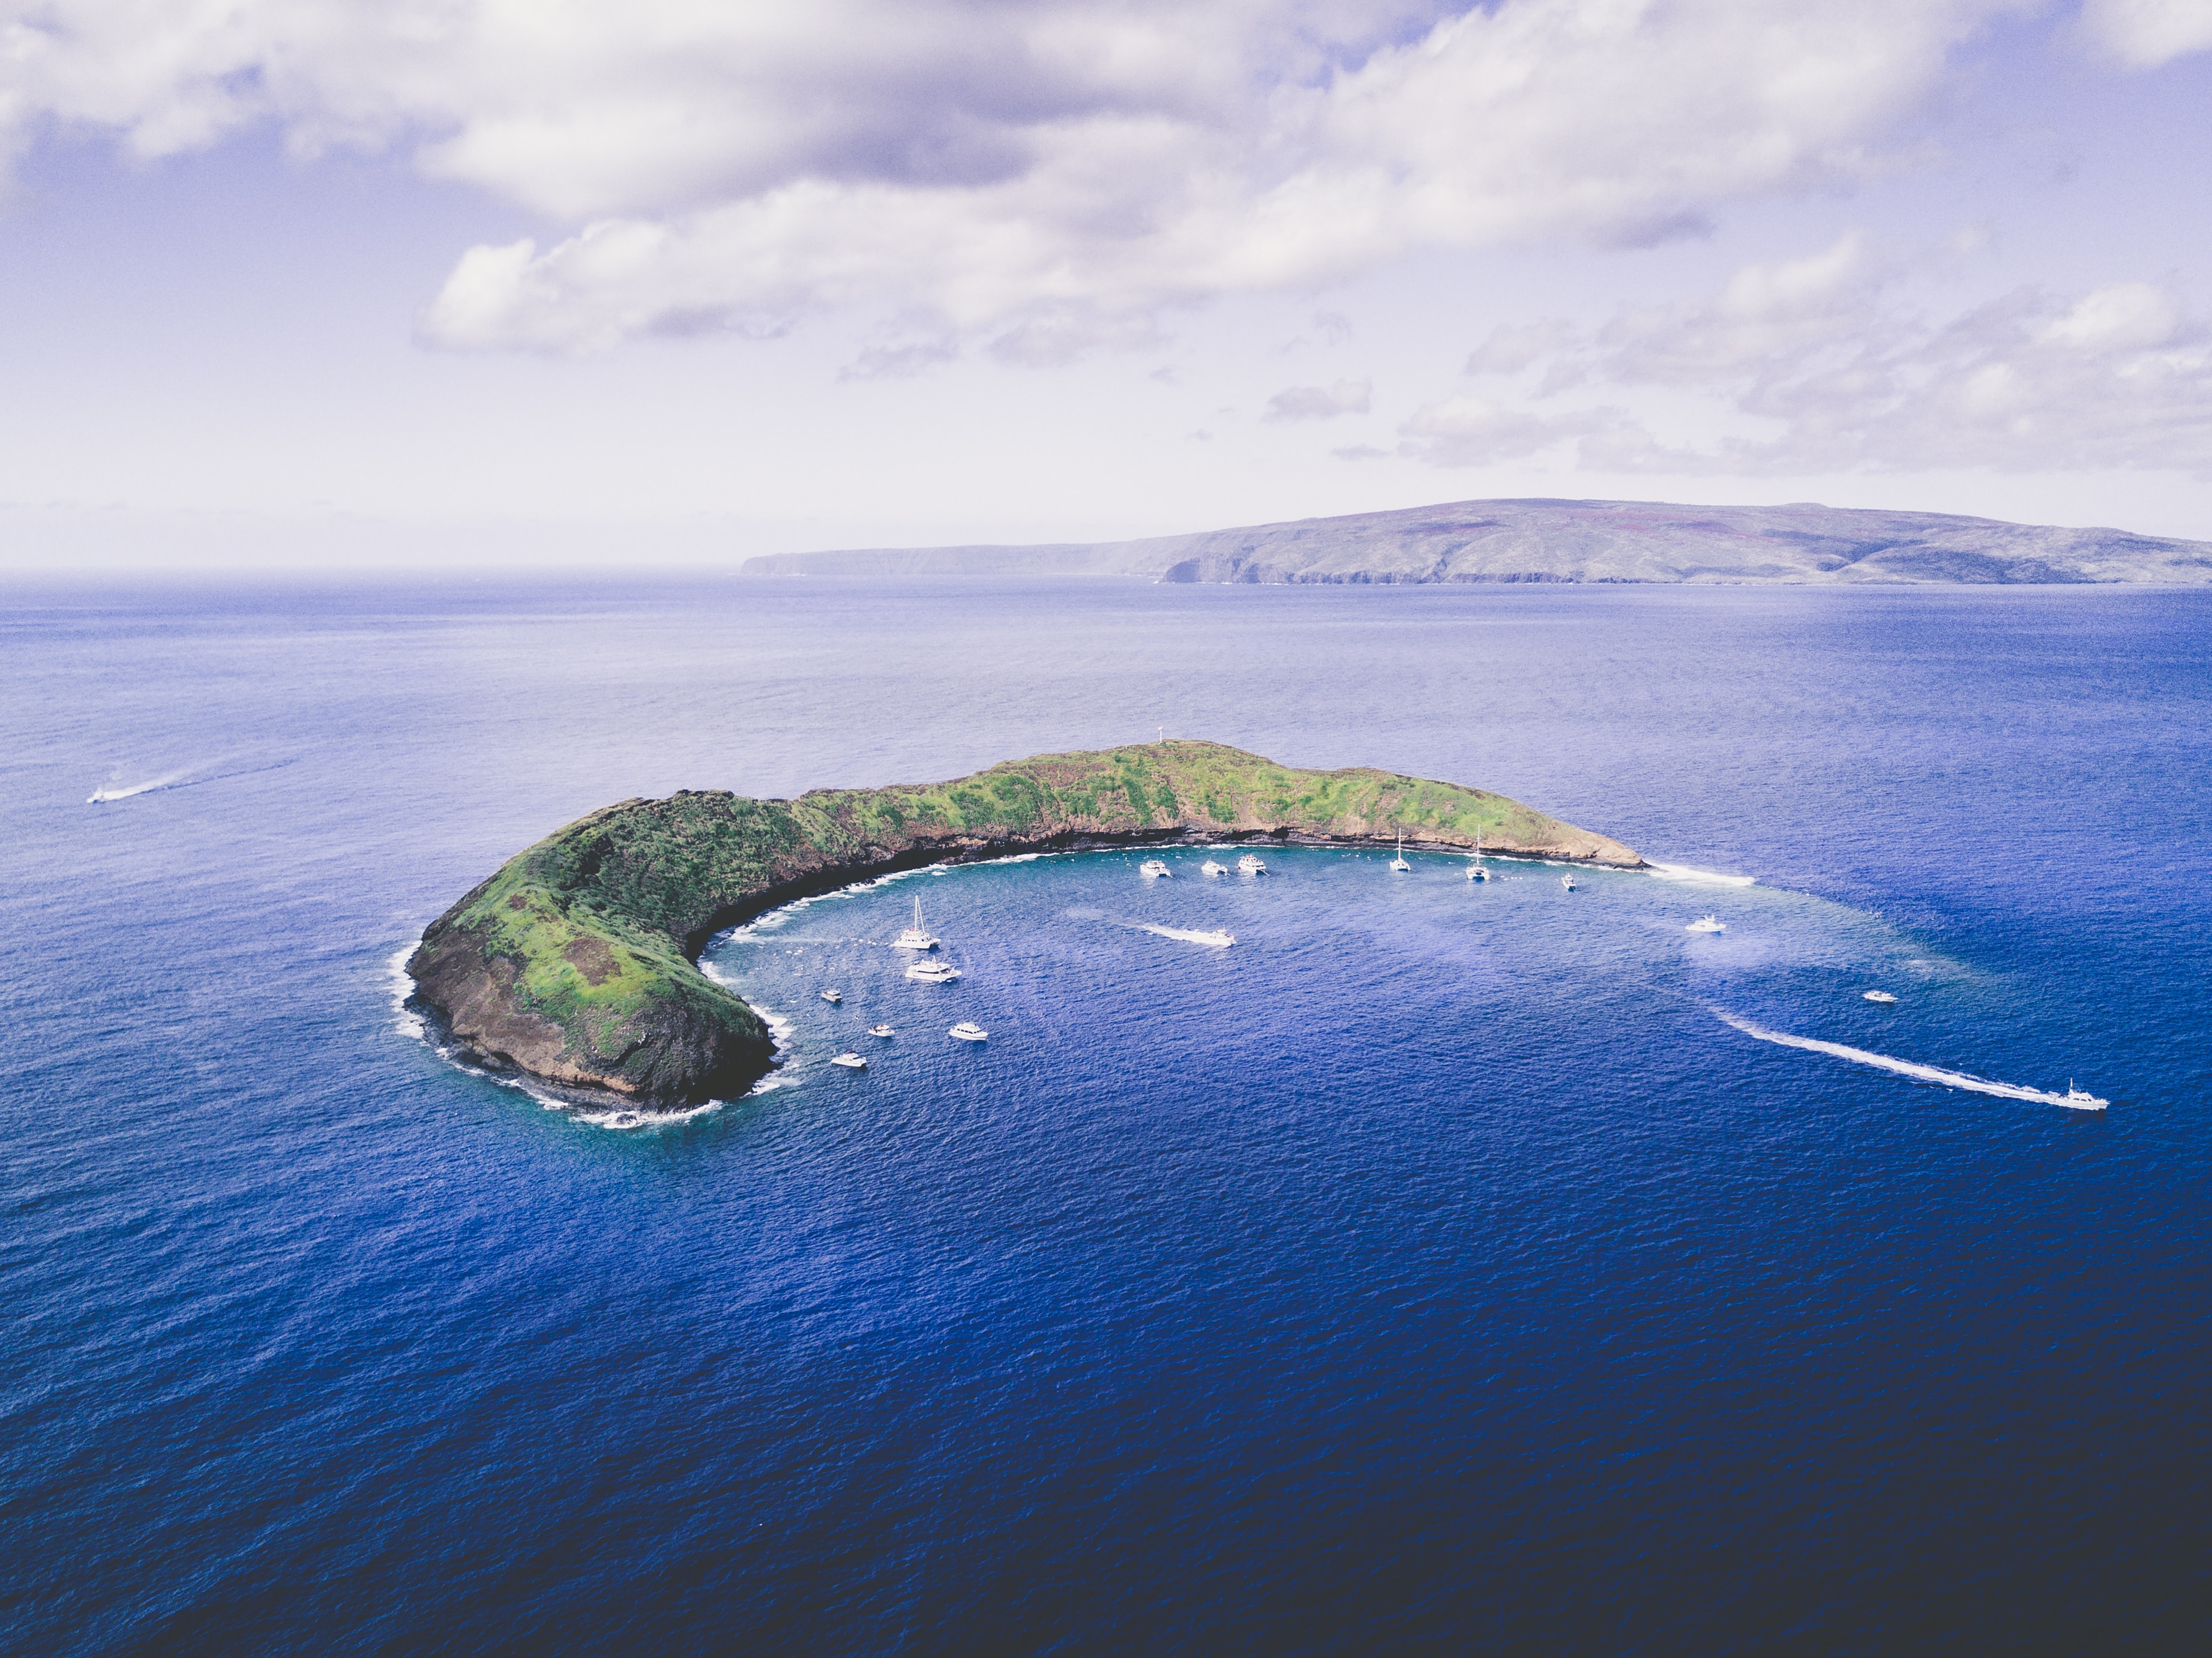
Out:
{"x": 1699, "y": 877}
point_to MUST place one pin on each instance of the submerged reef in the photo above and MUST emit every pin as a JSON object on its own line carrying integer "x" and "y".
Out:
{"x": 574, "y": 965}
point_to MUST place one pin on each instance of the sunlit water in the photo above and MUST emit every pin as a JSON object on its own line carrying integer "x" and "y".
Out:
{"x": 1435, "y": 1266}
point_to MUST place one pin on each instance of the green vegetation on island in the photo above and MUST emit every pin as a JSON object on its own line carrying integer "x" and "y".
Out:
{"x": 575, "y": 964}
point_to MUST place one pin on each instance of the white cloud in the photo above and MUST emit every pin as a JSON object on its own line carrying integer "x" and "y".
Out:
{"x": 2146, "y": 33}
{"x": 1320, "y": 402}
{"x": 1820, "y": 365}
{"x": 1006, "y": 167}
{"x": 1512, "y": 346}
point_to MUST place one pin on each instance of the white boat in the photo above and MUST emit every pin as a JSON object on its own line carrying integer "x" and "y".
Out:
{"x": 1474, "y": 868}
{"x": 1210, "y": 868}
{"x": 2080, "y": 1099}
{"x": 1398, "y": 865}
{"x": 881, "y": 1030}
{"x": 915, "y": 937}
{"x": 1707, "y": 924}
{"x": 933, "y": 972}
{"x": 1568, "y": 882}
{"x": 833, "y": 996}
{"x": 850, "y": 1062}
{"x": 967, "y": 1032}
{"x": 1250, "y": 864}
{"x": 1880, "y": 996}
{"x": 1152, "y": 869}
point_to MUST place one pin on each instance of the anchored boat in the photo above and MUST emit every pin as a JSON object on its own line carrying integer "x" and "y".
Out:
{"x": 915, "y": 937}
{"x": 933, "y": 972}
{"x": 1398, "y": 865}
{"x": 968, "y": 1032}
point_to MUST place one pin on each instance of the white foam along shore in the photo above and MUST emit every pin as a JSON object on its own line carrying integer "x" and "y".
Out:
{"x": 1909, "y": 1067}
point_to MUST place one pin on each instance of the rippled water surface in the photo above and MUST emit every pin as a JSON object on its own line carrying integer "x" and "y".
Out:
{"x": 1432, "y": 1268}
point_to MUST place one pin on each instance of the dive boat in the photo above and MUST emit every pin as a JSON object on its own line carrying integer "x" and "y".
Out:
{"x": 1210, "y": 868}
{"x": 1398, "y": 865}
{"x": 915, "y": 937}
{"x": 966, "y": 1031}
{"x": 933, "y": 972}
{"x": 1880, "y": 996}
{"x": 851, "y": 1061}
{"x": 1152, "y": 869}
{"x": 1568, "y": 882}
{"x": 1707, "y": 924}
{"x": 1250, "y": 864}
{"x": 832, "y": 996}
{"x": 881, "y": 1030}
{"x": 1474, "y": 868}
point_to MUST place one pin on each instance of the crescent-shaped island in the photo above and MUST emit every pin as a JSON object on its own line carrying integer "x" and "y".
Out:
{"x": 575, "y": 964}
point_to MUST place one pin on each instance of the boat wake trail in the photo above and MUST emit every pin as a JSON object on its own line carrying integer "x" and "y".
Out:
{"x": 1218, "y": 939}
{"x": 1699, "y": 877}
{"x": 175, "y": 780}
{"x": 1929, "y": 1074}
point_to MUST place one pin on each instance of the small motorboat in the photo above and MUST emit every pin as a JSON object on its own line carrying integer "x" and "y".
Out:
{"x": 1210, "y": 868}
{"x": 933, "y": 972}
{"x": 832, "y": 996}
{"x": 881, "y": 1030}
{"x": 1882, "y": 996}
{"x": 1707, "y": 924}
{"x": 851, "y": 1061}
{"x": 966, "y": 1032}
{"x": 1398, "y": 865}
{"x": 1568, "y": 882}
{"x": 915, "y": 937}
{"x": 1250, "y": 864}
{"x": 1152, "y": 869}
{"x": 2080, "y": 1099}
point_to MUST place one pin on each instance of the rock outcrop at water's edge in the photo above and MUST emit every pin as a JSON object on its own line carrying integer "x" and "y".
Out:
{"x": 575, "y": 964}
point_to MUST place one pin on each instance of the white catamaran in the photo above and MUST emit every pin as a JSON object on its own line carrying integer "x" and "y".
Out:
{"x": 915, "y": 937}
{"x": 1398, "y": 865}
{"x": 1474, "y": 868}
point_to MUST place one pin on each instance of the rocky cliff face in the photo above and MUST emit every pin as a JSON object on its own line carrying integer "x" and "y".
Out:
{"x": 575, "y": 964}
{"x": 1612, "y": 541}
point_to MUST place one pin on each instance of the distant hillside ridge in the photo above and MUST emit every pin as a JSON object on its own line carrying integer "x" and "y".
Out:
{"x": 1598, "y": 541}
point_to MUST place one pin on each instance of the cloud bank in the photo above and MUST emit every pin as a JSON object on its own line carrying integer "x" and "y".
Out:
{"x": 1042, "y": 174}
{"x": 1824, "y": 367}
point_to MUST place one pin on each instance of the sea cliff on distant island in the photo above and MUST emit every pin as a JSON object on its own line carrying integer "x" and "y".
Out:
{"x": 1575, "y": 541}
{"x": 575, "y": 964}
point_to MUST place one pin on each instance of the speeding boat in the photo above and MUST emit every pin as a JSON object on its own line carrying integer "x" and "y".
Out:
{"x": 933, "y": 972}
{"x": 1398, "y": 865}
{"x": 1152, "y": 869}
{"x": 851, "y": 1061}
{"x": 1707, "y": 924}
{"x": 881, "y": 1030}
{"x": 2080, "y": 1099}
{"x": 1210, "y": 868}
{"x": 832, "y": 996}
{"x": 968, "y": 1032}
{"x": 1882, "y": 996}
{"x": 915, "y": 937}
{"x": 1568, "y": 882}
{"x": 1250, "y": 864}
{"x": 1474, "y": 868}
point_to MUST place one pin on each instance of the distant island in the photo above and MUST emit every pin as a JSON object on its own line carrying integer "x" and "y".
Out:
{"x": 574, "y": 965}
{"x": 1596, "y": 541}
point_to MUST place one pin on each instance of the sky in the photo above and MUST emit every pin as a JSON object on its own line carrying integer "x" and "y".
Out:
{"x": 314, "y": 284}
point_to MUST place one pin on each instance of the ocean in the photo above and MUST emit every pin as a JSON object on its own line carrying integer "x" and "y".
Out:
{"x": 1441, "y": 1266}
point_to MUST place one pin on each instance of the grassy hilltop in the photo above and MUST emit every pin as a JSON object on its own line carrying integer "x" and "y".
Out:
{"x": 574, "y": 962}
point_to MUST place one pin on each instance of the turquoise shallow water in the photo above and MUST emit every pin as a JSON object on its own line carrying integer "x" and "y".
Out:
{"x": 1430, "y": 1268}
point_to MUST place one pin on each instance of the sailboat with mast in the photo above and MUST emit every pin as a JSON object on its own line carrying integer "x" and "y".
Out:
{"x": 1398, "y": 865}
{"x": 916, "y": 936}
{"x": 1474, "y": 868}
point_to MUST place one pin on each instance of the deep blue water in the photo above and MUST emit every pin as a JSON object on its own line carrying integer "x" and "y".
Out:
{"x": 1431, "y": 1270}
